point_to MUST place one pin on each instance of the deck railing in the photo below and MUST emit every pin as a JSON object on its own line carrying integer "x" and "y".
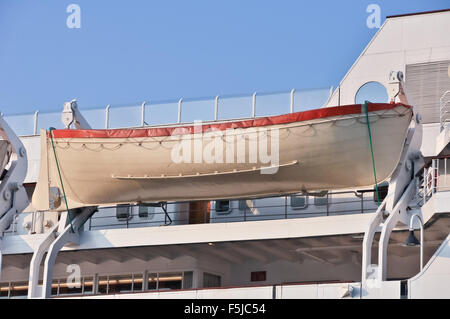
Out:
{"x": 152, "y": 113}
{"x": 436, "y": 177}
{"x": 350, "y": 202}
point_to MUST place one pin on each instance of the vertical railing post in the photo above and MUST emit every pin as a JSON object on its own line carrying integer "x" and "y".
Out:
{"x": 445, "y": 171}
{"x": 362, "y": 203}
{"x": 254, "y": 104}
{"x": 285, "y": 207}
{"x": 216, "y": 108}
{"x": 328, "y": 205}
{"x": 35, "y": 122}
{"x": 292, "y": 101}
{"x": 204, "y": 215}
{"x": 425, "y": 182}
{"x": 107, "y": 116}
{"x": 143, "y": 113}
{"x": 433, "y": 172}
{"x": 179, "y": 110}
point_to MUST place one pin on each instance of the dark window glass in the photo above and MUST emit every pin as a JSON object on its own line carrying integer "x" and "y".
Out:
{"x": 138, "y": 280}
{"x": 322, "y": 200}
{"x": 70, "y": 288}
{"x": 122, "y": 283}
{"x": 298, "y": 201}
{"x": 258, "y": 276}
{"x": 222, "y": 205}
{"x": 19, "y": 289}
{"x": 4, "y": 290}
{"x": 102, "y": 285}
{"x": 170, "y": 281}
{"x": 123, "y": 212}
{"x": 152, "y": 282}
{"x": 88, "y": 285}
{"x": 55, "y": 285}
{"x": 382, "y": 191}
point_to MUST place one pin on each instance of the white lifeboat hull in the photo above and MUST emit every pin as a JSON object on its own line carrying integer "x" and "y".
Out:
{"x": 327, "y": 148}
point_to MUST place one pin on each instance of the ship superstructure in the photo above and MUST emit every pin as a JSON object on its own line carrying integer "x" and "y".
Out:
{"x": 332, "y": 243}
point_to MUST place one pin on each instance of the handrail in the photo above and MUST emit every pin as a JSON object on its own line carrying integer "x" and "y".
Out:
{"x": 146, "y": 112}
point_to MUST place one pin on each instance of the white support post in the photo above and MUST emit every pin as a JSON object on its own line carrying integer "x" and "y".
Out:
{"x": 34, "y": 290}
{"x": 143, "y": 113}
{"x": 216, "y": 108}
{"x": 107, "y": 116}
{"x": 56, "y": 239}
{"x": 254, "y": 104}
{"x": 399, "y": 212}
{"x": 368, "y": 240}
{"x": 292, "y": 101}
{"x": 35, "y": 122}
{"x": 179, "y": 110}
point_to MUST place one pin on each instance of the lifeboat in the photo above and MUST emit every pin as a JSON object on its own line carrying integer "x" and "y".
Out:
{"x": 322, "y": 149}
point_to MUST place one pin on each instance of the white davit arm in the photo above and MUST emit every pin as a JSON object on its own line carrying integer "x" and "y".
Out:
{"x": 71, "y": 115}
{"x": 13, "y": 197}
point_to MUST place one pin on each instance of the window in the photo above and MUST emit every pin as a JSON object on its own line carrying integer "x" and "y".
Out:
{"x": 4, "y": 290}
{"x": 299, "y": 201}
{"x": 168, "y": 281}
{"x": 146, "y": 212}
{"x": 55, "y": 287}
{"x": 123, "y": 212}
{"x": 222, "y": 206}
{"x": 322, "y": 200}
{"x": 152, "y": 281}
{"x": 210, "y": 280}
{"x": 382, "y": 191}
{"x": 138, "y": 280}
{"x": 374, "y": 92}
{"x": 122, "y": 283}
{"x": 258, "y": 276}
{"x": 19, "y": 289}
{"x": 88, "y": 285}
{"x": 102, "y": 285}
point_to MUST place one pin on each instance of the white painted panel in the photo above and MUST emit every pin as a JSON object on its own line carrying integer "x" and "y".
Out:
{"x": 434, "y": 280}
{"x": 237, "y": 293}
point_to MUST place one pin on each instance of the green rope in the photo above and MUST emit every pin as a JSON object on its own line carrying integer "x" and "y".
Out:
{"x": 366, "y": 109}
{"x": 60, "y": 179}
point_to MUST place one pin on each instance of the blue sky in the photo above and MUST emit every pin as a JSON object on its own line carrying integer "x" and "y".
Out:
{"x": 128, "y": 51}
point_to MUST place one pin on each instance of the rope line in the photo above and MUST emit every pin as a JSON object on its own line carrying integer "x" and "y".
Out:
{"x": 61, "y": 181}
{"x": 366, "y": 109}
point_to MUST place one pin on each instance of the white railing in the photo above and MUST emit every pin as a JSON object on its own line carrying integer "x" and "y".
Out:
{"x": 436, "y": 177}
{"x": 444, "y": 110}
{"x": 150, "y": 113}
